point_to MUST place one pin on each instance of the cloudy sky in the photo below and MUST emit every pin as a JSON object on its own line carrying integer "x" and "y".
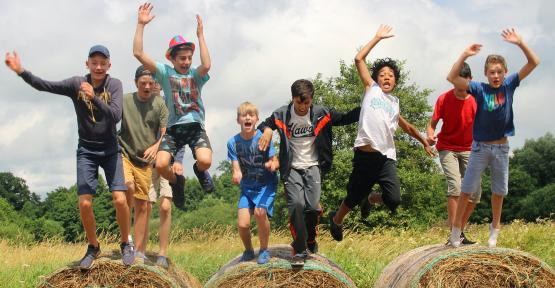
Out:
{"x": 258, "y": 49}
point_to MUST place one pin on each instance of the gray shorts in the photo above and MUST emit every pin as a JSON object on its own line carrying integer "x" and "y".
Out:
{"x": 454, "y": 166}
{"x": 180, "y": 135}
{"x": 159, "y": 184}
{"x": 482, "y": 156}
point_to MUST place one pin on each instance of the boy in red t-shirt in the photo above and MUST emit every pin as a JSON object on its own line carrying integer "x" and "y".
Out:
{"x": 456, "y": 108}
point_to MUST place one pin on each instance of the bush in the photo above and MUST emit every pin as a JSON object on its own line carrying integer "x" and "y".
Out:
{"x": 210, "y": 212}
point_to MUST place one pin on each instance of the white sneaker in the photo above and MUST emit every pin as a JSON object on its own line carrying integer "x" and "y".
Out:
{"x": 493, "y": 234}
{"x": 455, "y": 238}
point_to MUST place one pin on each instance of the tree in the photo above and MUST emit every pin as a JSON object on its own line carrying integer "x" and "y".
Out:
{"x": 15, "y": 191}
{"x": 537, "y": 158}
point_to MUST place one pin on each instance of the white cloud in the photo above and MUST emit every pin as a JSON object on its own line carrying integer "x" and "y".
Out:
{"x": 258, "y": 49}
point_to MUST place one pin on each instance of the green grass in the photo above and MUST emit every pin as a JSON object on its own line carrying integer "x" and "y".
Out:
{"x": 362, "y": 255}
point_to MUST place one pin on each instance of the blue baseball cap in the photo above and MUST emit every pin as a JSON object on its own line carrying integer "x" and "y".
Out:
{"x": 99, "y": 49}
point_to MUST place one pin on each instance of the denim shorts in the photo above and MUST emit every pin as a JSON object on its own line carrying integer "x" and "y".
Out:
{"x": 258, "y": 197}
{"x": 482, "y": 156}
{"x": 88, "y": 161}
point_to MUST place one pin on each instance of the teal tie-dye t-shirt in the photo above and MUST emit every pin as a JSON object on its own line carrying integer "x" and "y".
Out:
{"x": 182, "y": 93}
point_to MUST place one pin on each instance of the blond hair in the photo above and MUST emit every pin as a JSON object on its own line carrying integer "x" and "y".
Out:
{"x": 495, "y": 59}
{"x": 247, "y": 108}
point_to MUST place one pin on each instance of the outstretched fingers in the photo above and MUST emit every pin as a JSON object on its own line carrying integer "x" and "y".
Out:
{"x": 384, "y": 31}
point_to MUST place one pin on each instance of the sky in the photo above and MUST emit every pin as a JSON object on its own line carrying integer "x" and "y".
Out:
{"x": 258, "y": 48}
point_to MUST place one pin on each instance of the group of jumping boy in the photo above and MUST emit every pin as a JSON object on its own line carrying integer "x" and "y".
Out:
{"x": 147, "y": 153}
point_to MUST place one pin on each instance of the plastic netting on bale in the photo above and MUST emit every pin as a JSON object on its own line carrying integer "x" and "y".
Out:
{"x": 109, "y": 271}
{"x": 441, "y": 266}
{"x": 318, "y": 271}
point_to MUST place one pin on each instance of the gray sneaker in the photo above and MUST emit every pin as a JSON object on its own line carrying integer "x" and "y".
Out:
{"x": 87, "y": 261}
{"x": 127, "y": 254}
{"x": 162, "y": 261}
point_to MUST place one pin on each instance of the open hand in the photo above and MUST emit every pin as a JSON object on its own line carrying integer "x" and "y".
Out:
{"x": 200, "y": 27}
{"x": 13, "y": 62}
{"x": 150, "y": 152}
{"x": 511, "y": 36}
{"x": 384, "y": 31}
{"x": 144, "y": 13}
{"x": 472, "y": 50}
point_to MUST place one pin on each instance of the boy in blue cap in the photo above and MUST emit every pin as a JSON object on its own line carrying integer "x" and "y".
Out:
{"x": 97, "y": 99}
{"x": 182, "y": 85}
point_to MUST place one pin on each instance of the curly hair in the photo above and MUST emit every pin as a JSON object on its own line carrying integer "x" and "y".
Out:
{"x": 380, "y": 63}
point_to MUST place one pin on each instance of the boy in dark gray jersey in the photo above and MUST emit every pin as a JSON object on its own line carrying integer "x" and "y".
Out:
{"x": 97, "y": 99}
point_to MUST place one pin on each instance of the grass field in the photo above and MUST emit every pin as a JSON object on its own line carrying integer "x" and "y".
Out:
{"x": 362, "y": 256}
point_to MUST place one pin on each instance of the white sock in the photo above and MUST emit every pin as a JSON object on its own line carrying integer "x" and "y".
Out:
{"x": 455, "y": 238}
{"x": 493, "y": 234}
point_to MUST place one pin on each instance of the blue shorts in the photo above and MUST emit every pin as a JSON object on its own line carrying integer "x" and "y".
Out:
{"x": 258, "y": 197}
{"x": 482, "y": 156}
{"x": 88, "y": 161}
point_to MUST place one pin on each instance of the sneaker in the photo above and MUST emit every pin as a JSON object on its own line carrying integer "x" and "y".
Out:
{"x": 178, "y": 191}
{"x": 336, "y": 230}
{"x": 92, "y": 253}
{"x": 466, "y": 241}
{"x": 248, "y": 255}
{"x": 127, "y": 255}
{"x": 140, "y": 257}
{"x": 365, "y": 208}
{"x": 162, "y": 261}
{"x": 204, "y": 179}
{"x": 312, "y": 247}
{"x": 263, "y": 257}
{"x": 493, "y": 234}
{"x": 299, "y": 259}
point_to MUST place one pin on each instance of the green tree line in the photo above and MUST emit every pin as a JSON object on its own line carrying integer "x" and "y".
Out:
{"x": 25, "y": 218}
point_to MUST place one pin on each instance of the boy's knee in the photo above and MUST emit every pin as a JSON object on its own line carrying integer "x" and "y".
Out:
{"x": 260, "y": 213}
{"x": 165, "y": 207}
{"x": 119, "y": 199}
{"x": 243, "y": 225}
{"x": 85, "y": 204}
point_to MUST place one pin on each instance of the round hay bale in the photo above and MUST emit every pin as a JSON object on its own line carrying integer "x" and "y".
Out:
{"x": 471, "y": 266}
{"x": 109, "y": 271}
{"x": 318, "y": 271}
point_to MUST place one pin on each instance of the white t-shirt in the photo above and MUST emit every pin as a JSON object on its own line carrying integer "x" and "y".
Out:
{"x": 302, "y": 141}
{"x": 379, "y": 118}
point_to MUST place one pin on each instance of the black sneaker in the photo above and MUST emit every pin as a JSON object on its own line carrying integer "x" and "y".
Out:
{"x": 178, "y": 191}
{"x": 336, "y": 230}
{"x": 365, "y": 208}
{"x": 466, "y": 241}
{"x": 87, "y": 261}
{"x": 298, "y": 260}
{"x": 312, "y": 247}
{"x": 204, "y": 179}
{"x": 127, "y": 254}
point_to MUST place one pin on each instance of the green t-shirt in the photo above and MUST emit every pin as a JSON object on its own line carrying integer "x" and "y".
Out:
{"x": 141, "y": 125}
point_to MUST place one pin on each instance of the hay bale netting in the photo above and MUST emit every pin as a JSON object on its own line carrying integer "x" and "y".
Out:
{"x": 318, "y": 271}
{"x": 467, "y": 266}
{"x": 109, "y": 271}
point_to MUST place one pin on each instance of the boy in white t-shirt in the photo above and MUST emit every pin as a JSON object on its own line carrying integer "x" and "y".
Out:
{"x": 375, "y": 157}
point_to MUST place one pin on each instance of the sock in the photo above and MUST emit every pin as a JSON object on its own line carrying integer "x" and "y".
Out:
{"x": 455, "y": 237}
{"x": 493, "y": 234}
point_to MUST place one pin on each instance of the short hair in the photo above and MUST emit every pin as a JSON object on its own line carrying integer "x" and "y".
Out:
{"x": 247, "y": 108}
{"x": 495, "y": 59}
{"x": 178, "y": 48}
{"x": 302, "y": 88}
{"x": 385, "y": 62}
{"x": 465, "y": 71}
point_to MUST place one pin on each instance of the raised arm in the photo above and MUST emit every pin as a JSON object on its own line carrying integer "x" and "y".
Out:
{"x": 412, "y": 131}
{"x": 511, "y": 36}
{"x": 344, "y": 118}
{"x": 14, "y": 63}
{"x": 205, "y": 61}
{"x": 453, "y": 76}
{"x": 144, "y": 17}
{"x": 384, "y": 31}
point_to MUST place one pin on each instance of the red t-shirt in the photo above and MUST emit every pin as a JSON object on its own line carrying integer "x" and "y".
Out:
{"x": 458, "y": 118}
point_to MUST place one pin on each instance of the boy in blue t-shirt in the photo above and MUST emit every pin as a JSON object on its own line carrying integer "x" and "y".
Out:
{"x": 182, "y": 85}
{"x": 492, "y": 125}
{"x": 254, "y": 170}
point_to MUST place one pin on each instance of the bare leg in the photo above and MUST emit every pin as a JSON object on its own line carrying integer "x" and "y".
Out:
{"x": 141, "y": 220}
{"x": 243, "y": 222}
{"x": 163, "y": 167}
{"x": 496, "y": 206}
{"x": 263, "y": 224}
{"x": 122, "y": 214}
{"x": 165, "y": 224}
{"x": 87, "y": 218}
{"x": 341, "y": 213}
{"x": 204, "y": 158}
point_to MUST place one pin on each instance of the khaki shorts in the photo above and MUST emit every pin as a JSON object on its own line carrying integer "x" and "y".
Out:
{"x": 159, "y": 184}
{"x": 140, "y": 176}
{"x": 454, "y": 166}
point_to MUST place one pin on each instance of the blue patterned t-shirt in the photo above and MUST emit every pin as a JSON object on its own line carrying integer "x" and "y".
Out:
{"x": 494, "y": 109}
{"x": 251, "y": 160}
{"x": 182, "y": 94}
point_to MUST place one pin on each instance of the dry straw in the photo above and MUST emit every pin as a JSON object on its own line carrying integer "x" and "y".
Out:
{"x": 109, "y": 271}
{"x": 439, "y": 266}
{"x": 318, "y": 271}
